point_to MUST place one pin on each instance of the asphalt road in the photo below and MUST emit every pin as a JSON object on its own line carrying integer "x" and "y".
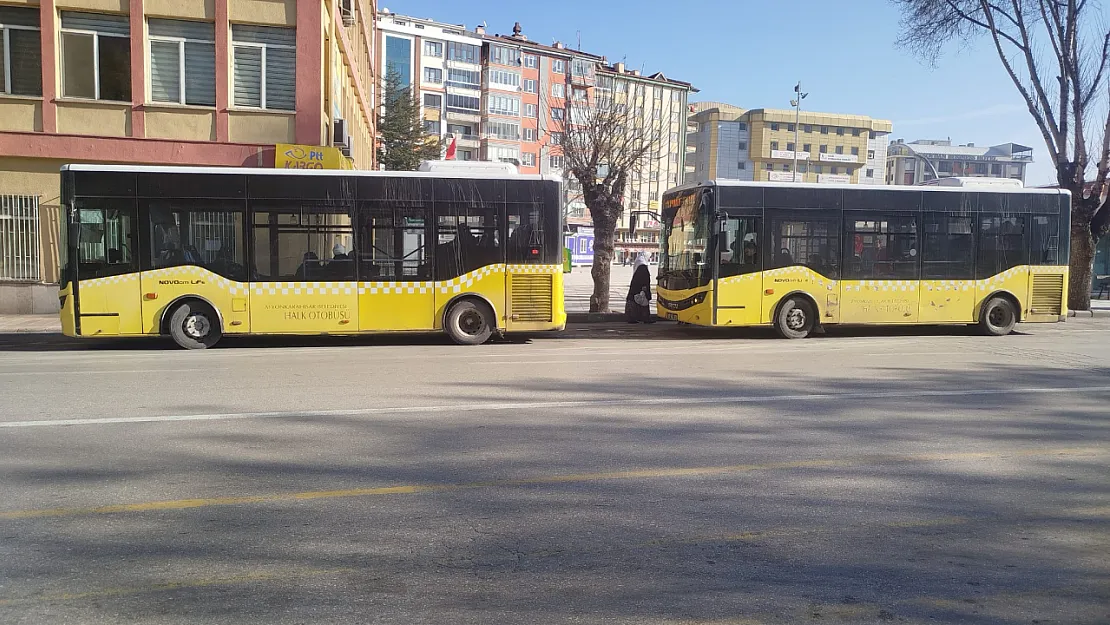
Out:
{"x": 617, "y": 474}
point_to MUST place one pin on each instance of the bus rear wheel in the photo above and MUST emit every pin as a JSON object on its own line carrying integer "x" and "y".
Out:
{"x": 469, "y": 323}
{"x": 998, "y": 317}
{"x": 194, "y": 325}
{"x": 796, "y": 319}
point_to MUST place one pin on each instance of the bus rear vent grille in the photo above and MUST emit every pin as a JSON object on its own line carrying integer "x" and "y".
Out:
{"x": 531, "y": 298}
{"x": 1048, "y": 294}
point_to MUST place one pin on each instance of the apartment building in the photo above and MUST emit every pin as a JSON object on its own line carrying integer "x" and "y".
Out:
{"x": 181, "y": 82}
{"x": 443, "y": 64}
{"x": 926, "y": 159}
{"x": 727, "y": 142}
{"x": 661, "y": 103}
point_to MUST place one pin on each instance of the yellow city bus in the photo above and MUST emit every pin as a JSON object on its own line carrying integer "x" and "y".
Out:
{"x": 199, "y": 253}
{"x": 801, "y": 256}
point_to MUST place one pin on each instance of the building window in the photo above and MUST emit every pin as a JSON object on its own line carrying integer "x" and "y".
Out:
{"x": 789, "y": 147}
{"x": 774, "y": 145}
{"x": 433, "y": 101}
{"x": 870, "y": 155}
{"x": 558, "y": 90}
{"x": 855, "y": 132}
{"x": 182, "y": 62}
{"x": 530, "y": 110}
{"x": 558, "y": 114}
{"x": 980, "y": 169}
{"x": 785, "y": 167}
{"x": 265, "y": 66}
{"x": 433, "y": 74}
{"x": 807, "y": 128}
{"x": 774, "y": 126}
{"x": 870, "y": 173}
{"x": 824, "y": 130}
{"x": 433, "y": 48}
{"x": 790, "y": 127}
{"x": 996, "y": 169}
{"x": 463, "y": 52}
{"x": 20, "y": 51}
{"x": 855, "y": 151}
{"x": 96, "y": 56}
{"x": 743, "y": 145}
{"x": 504, "y": 55}
{"x": 531, "y": 60}
{"x": 770, "y": 166}
{"x": 839, "y": 149}
{"x": 580, "y": 67}
{"x": 741, "y": 165}
{"x": 944, "y": 167}
{"x": 556, "y": 138}
{"x": 463, "y": 103}
{"x": 530, "y": 133}
{"x": 558, "y": 66}
{"x": 834, "y": 170}
{"x": 529, "y": 85}
{"x": 824, "y": 149}
{"x": 840, "y": 131}
{"x": 504, "y": 154}
{"x": 556, "y": 161}
{"x": 528, "y": 158}
{"x": 743, "y": 125}
{"x": 506, "y": 131}
{"x": 504, "y": 105}
{"x": 805, "y": 148}
{"x": 465, "y": 78}
{"x": 431, "y": 126}
{"x": 504, "y": 79}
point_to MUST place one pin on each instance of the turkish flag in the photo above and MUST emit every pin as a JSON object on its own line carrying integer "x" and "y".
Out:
{"x": 450, "y": 151}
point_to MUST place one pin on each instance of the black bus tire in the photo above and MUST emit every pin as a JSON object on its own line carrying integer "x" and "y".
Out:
{"x": 795, "y": 319}
{"x": 469, "y": 323}
{"x": 194, "y": 325}
{"x": 998, "y": 317}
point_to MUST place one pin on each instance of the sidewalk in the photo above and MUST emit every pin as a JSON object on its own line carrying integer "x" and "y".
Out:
{"x": 30, "y": 323}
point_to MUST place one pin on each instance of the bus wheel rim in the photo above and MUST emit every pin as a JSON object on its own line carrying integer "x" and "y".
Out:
{"x": 997, "y": 316}
{"x": 796, "y": 319}
{"x": 197, "y": 326}
{"x": 471, "y": 322}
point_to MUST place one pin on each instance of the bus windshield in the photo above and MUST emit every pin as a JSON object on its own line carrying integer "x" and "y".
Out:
{"x": 684, "y": 264}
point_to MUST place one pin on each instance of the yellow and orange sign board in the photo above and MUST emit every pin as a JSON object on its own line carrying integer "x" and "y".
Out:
{"x": 291, "y": 156}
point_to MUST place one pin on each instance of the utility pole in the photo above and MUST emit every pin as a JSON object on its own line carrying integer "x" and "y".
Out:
{"x": 797, "y": 104}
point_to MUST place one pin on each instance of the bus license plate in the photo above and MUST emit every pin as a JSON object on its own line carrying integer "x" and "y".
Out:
{"x": 672, "y": 316}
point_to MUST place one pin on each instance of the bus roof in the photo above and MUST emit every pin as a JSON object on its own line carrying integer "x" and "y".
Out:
{"x": 259, "y": 171}
{"x": 857, "y": 187}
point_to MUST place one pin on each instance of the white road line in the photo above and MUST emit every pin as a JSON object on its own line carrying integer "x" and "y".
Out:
{"x": 623, "y": 401}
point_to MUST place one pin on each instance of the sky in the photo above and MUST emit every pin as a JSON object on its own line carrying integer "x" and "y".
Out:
{"x": 750, "y": 53}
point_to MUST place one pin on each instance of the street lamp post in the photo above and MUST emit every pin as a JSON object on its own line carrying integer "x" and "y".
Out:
{"x": 797, "y": 104}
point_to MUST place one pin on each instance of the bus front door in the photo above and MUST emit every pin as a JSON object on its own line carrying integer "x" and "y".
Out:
{"x": 739, "y": 284}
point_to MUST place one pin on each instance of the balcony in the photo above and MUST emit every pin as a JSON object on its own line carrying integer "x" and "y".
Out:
{"x": 466, "y": 141}
{"x": 463, "y": 115}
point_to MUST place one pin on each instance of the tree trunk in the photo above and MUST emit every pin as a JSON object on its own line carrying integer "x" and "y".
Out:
{"x": 605, "y": 234}
{"x": 1082, "y": 258}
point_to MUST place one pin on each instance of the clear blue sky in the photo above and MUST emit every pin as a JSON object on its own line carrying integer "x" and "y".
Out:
{"x": 751, "y": 53}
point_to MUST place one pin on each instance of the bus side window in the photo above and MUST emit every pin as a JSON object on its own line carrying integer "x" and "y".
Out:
{"x": 106, "y": 236}
{"x": 738, "y": 246}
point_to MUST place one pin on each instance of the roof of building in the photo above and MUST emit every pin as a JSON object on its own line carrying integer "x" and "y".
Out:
{"x": 1006, "y": 150}
{"x": 619, "y": 69}
{"x": 788, "y": 116}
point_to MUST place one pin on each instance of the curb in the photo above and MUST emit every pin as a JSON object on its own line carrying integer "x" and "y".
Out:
{"x": 609, "y": 317}
{"x": 1094, "y": 312}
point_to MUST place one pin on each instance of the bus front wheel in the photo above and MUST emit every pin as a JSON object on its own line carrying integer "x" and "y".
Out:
{"x": 469, "y": 323}
{"x": 194, "y": 325}
{"x": 795, "y": 319}
{"x": 998, "y": 317}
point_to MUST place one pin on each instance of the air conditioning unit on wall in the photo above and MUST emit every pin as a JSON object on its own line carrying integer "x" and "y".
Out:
{"x": 347, "y": 12}
{"x": 340, "y": 138}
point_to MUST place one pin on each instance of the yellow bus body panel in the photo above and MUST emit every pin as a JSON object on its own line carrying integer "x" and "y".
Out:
{"x": 136, "y": 304}
{"x": 752, "y": 299}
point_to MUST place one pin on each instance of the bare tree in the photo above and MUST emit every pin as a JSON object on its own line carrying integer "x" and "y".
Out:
{"x": 607, "y": 138}
{"x": 1064, "y": 86}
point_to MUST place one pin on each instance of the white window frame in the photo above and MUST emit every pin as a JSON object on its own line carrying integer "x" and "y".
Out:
{"x": 6, "y": 42}
{"x": 528, "y": 158}
{"x": 561, "y": 161}
{"x": 235, "y": 45}
{"x": 180, "y": 41}
{"x": 529, "y": 82}
{"x": 558, "y": 66}
{"x": 96, "y": 59}
{"x": 561, "y": 87}
{"x": 531, "y": 61}
{"x": 433, "y": 43}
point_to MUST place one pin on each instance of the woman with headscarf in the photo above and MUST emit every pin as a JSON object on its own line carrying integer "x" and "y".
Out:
{"x": 637, "y": 302}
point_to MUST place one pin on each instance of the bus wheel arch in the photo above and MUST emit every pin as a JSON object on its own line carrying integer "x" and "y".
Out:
{"x": 804, "y": 313}
{"x": 469, "y": 319}
{"x": 193, "y": 322}
{"x": 999, "y": 313}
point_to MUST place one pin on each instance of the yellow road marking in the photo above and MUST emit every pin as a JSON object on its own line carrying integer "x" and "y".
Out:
{"x": 107, "y": 593}
{"x": 878, "y": 460}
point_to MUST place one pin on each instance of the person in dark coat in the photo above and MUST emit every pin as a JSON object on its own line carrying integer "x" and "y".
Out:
{"x": 636, "y": 303}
